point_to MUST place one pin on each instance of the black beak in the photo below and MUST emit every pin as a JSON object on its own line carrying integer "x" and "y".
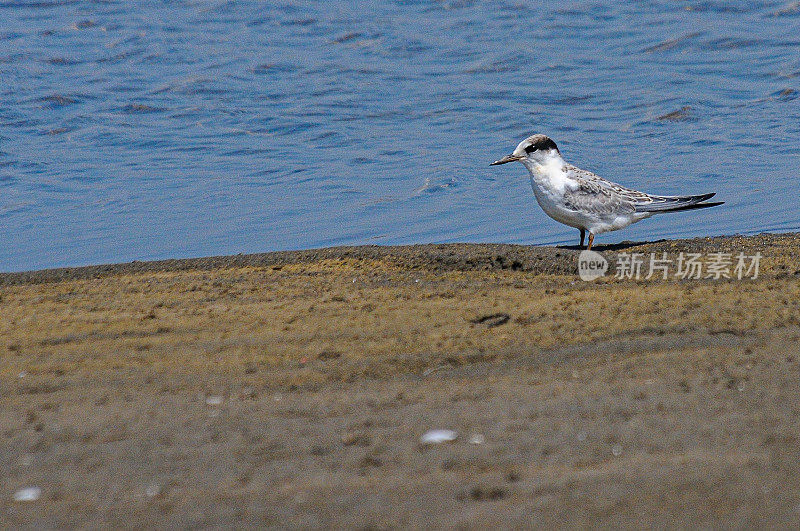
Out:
{"x": 506, "y": 159}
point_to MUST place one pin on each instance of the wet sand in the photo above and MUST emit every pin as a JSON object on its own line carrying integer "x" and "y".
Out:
{"x": 291, "y": 389}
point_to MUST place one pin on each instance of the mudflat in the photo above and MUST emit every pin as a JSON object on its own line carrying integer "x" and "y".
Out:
{"x": 292, "y": 389}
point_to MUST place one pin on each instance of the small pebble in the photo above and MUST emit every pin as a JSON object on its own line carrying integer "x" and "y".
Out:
{"x": 152, "y": 491}
{"x": 438, "y": 436}
{"x": 616, "y": 450}
{"x": 478, "y": 438}
{"x": 214, "y": 400}
{"x": 27, "y": 494}
{"x": 581, "y": 436}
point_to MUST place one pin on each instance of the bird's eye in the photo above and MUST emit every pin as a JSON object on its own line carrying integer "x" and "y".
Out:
{"x": 530, "y": 149}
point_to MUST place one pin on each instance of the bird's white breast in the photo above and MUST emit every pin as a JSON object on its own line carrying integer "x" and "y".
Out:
{"x": 550, "y": 182}
{"x": 550, "y": 175}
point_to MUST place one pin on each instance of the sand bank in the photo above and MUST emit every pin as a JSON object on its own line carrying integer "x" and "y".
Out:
{"x": 292, "y": 389}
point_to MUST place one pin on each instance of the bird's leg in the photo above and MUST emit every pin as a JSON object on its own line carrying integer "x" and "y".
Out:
{"x": 591, "y": 241}
{"x": 583, "y": 235}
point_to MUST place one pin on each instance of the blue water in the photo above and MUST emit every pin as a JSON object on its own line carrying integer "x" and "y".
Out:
{"x": 147, "y": 130}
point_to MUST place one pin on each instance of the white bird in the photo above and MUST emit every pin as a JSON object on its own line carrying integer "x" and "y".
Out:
{"x": 581, "y": 199}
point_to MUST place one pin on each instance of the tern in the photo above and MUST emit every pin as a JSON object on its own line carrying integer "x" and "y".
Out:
{"x": 583, "y": 200}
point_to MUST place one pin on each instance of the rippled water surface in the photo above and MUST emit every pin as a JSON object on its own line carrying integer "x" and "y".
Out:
{"x": 145, "y": 130}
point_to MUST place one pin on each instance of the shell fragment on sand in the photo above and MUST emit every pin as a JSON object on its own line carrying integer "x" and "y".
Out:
{"x": 438, "y": 436}
{"x": 28, "y": 494}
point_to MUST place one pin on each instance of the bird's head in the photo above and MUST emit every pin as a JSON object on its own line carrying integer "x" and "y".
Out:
{"x": 534, "y": 149}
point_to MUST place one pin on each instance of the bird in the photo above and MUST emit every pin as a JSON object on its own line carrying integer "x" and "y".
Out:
{"x": 580, "y": 199}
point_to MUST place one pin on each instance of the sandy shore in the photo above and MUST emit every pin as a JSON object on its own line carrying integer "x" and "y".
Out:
{"x": 292, "y": 389}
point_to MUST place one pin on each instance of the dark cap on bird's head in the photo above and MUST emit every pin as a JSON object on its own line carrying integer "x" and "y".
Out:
{"x": 538, "y": 143}
{"x": 532, "y": 144}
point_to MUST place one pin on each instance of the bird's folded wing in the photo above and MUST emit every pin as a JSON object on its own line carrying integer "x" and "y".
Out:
{"x": 663, "y": 203}
{"x": 593, "y": 194}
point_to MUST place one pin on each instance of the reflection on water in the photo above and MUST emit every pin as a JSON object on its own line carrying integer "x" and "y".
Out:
{"x": 139, "y": 130}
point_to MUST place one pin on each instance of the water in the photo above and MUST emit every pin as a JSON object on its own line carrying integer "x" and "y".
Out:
{"x": 147, "y": 130}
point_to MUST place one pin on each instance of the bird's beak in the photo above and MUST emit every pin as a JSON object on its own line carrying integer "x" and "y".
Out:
{"x": 506, "y": 159}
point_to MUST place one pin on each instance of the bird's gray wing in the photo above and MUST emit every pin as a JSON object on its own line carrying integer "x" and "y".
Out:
{"x": 668, "y": 203}
{"x": 596, "y": 195}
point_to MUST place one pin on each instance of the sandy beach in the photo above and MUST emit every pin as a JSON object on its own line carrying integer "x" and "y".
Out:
{"x": 292, "y": 389}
